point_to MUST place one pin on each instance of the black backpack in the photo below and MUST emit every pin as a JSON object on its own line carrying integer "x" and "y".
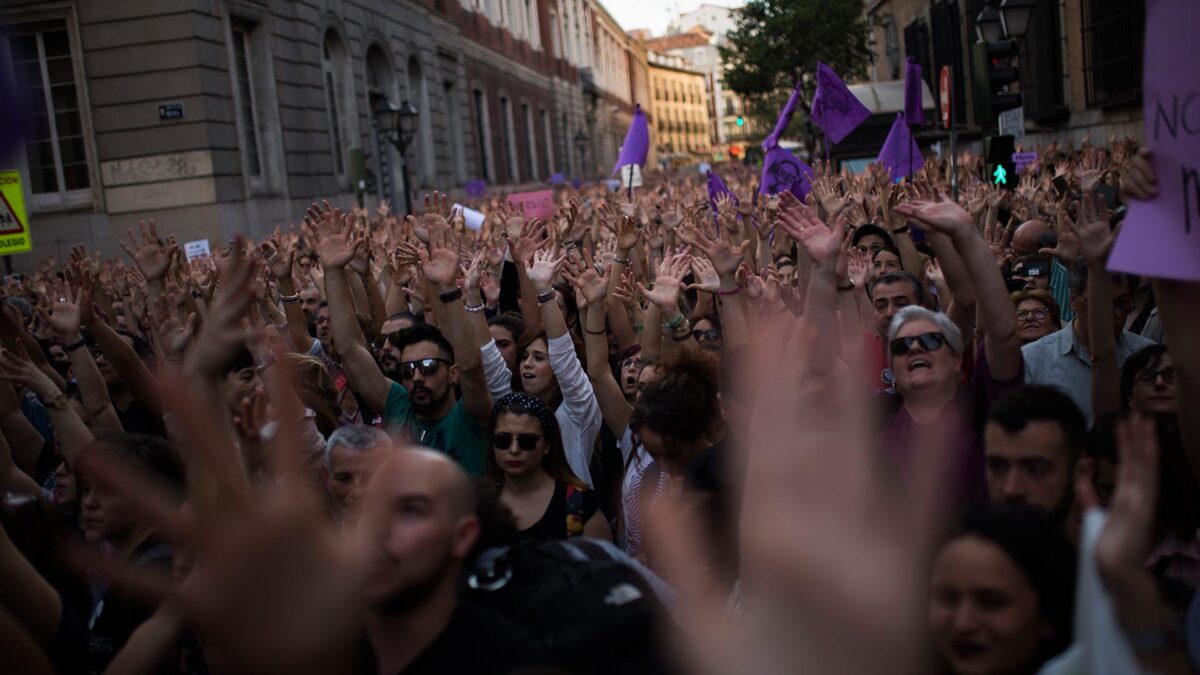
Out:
{"x": 592, "y": 611}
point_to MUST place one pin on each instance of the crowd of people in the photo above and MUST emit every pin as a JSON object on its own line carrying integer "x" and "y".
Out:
{"x": 868, "y": 429}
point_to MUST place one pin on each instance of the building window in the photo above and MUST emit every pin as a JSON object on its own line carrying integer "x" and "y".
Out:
{"x": 332, "y": 66}
{"x": 1041, "y": 64}
{"x": 244, "y": 91}
{"x": 1112, "y": 51}
{"x": 55, "y": 148}
{"x": 530, "y": 142}
{"x": 549, "y": 143}
{"x": 507, "y": 132}
{"x": 481, "y": 133}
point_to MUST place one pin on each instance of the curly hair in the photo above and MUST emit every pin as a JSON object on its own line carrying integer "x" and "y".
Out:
{"x": 681, "y": 405}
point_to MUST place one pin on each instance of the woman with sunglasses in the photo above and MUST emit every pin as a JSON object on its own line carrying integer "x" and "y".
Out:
{"x": 536, "y": 483}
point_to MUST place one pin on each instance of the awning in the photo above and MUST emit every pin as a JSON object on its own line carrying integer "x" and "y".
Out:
{"x": 888, "y": 97}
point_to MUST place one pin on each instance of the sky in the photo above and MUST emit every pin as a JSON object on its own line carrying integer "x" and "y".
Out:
{"x": 653, "y": 14}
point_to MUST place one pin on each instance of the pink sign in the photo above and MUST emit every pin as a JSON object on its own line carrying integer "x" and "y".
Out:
{"x": 538, "y": 204}
{"x": 1161, "y": 237}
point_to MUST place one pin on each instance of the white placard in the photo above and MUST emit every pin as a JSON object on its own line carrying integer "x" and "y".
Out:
{"x": 196, "y": 249}
{"x": 631, "y": 176}
{"x": 1012, "y": 122}
{"x": 471, "y": 218}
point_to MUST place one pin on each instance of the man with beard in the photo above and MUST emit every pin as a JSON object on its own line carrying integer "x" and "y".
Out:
{"x": 421, "y": 400}
{"x": 1032, "y": 440}
{"x": 418, "y": 526}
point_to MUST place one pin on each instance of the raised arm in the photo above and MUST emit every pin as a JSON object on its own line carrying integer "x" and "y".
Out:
{"x": 1001, "y": 344}
{"x": 664, "y": 297}
{"x": 23, "y": 440}
{"x": 331, "y": 231}
{"x": 69, "y": 430}
{"x": 822, "y": 245}
{"x": 717, "y": 275}
{"x": 440, "y": 265}
{"x": 613, "y": 407}
{"x": 279, "y": 257}
{"x": 65, "y": 321}
{"x": 1096, "y": 238}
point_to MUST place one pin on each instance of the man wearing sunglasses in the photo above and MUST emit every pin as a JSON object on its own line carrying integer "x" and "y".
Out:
{"x": 422, "y": 398}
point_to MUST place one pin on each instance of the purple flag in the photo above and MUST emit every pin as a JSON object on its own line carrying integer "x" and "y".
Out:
{"x": 914, "y": 109}
{"x": 785, "y": 117}
{"x": 637, "y": 142}
{"x": 834, "y": 108}
{"x": 784, "y": 171}
{"x": 900, "y": 152}
{"x": 716, "y": 188}
{"x": 476, "y": 188}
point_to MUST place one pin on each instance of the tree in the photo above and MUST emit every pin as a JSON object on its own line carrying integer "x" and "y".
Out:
{"x": 777, "y": 42}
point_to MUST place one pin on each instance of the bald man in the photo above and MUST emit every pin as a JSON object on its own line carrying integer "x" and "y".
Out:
{"x": 1034, "y": 236}
{"x": 419, "y": 525}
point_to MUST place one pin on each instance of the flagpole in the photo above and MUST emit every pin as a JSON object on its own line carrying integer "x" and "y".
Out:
{"x": 911, "y": 140}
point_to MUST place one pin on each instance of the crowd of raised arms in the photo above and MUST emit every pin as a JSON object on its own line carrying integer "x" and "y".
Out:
{"x": 873, "y": 430}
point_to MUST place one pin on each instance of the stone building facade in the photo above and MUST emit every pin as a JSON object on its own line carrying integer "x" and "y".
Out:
{"x": 223, "y": 116}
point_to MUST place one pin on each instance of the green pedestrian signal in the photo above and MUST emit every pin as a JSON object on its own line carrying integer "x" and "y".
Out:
{"x": 1000, "y": 175}
{"x": 740, "y": 121}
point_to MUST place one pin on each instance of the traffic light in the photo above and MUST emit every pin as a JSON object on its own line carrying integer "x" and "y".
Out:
{"x": 994, "y": 75}
{"x": 740, "y": 121}
{"x": 998, "y": 152}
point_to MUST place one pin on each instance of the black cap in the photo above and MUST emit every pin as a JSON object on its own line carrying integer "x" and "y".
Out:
{"x": 869, "y": 229}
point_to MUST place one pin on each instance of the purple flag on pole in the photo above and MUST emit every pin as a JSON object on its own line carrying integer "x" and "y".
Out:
{"x": 716, "y": 188}
{"x": 784, "y": 171}
{"x": 785, "y": 117}
{"x": 900, "y": 152}
{"x": 834, "y": 108}
{"x": 637, "y": 142}
{"x": 914, "y": 109}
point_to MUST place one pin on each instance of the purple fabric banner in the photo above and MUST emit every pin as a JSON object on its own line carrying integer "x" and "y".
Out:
{"x": 900, "y": 152}
{"x": 785, "y": 117}
{"x": 716, "y": 188}
{"x": 476, "y": 188}
{"x": 783, "y": 171}
{"x": 636, "y": 144}
{"x": 834, "y": 108}
{"x": 914, "y": 110}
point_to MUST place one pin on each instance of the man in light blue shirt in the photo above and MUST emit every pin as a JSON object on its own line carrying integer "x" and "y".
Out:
{"x": 1062, "y": 359}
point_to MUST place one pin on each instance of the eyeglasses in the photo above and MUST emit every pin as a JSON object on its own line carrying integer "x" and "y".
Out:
{"x": 635, "y": 362}
{"x": 526, "y": 442}
{"x": 711, "y": 334}
{"x": 1039, "y": 313}
{"x": 930, "y": 341}
{"x": 1147, "y": 378}
{"x": 428, "y": 368}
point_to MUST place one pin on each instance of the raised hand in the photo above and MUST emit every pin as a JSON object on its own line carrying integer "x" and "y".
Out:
{"x": 628, "y": 234}
{"x": 668, "y": 283}
{"x": 818, "y": 241}
{"x": 222, "y": 334}
{"x": 1067, "y": 248}
{"x": 706, "y": 276}
{"x": 474, "y": 272}
{"x": 544, "y": 268}
{"x": 152, "y": 258}
{"x": 941, "y": 215}
{"x": 858, "y": 266}
{"x": 279, "y": 258}
{"x": 592, "y": 286}
{"x": 332, "y": 231}
{"x": 531, "y": 238}
{"x": 1091, "y": 230}
{"x": 64, "y": 317}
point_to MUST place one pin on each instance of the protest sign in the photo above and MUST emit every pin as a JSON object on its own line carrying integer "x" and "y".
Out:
{"x": 471, "y": 218}
{"x": 1161, "y": 237}
{"x": 1024, "y": 159}
{"x": 196, "y": 249}
{"x": 539, "y": 204}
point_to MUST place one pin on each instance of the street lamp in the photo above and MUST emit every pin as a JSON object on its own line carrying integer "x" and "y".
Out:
{"x": 398, "y": 123}
{"x": 987, "y": 25}
{"x": 1014, "y": 17}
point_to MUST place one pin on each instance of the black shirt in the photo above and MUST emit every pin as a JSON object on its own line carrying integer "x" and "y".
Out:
{"x": 579, "y": 506}
{"x": 116, "y": 613}
{"x": 477, "y": 641}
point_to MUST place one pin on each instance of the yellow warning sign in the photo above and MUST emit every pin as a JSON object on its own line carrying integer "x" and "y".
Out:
{"x": 14, "y": 220}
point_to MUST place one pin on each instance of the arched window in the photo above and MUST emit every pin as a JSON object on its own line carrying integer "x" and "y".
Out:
{"x": 338, "y": 86}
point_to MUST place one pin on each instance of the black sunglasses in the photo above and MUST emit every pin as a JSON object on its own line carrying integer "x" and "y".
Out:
{"x": 711, "y": 334}
{"x": 527, "y": 442}
{"x": 930, "y": 341}
{"x": 1148, "y": 377}
{"x": 428, "y": 367}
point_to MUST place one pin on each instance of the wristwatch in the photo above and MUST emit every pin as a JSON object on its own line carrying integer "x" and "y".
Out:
{"x": 59, "y": 402}
{"x": 263, "y": 362}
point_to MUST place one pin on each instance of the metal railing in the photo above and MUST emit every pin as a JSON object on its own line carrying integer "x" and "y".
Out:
{"x": 1112, "y": 51}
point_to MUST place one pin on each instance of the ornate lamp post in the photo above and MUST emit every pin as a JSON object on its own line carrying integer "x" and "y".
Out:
{"x": 398, "y": 123}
